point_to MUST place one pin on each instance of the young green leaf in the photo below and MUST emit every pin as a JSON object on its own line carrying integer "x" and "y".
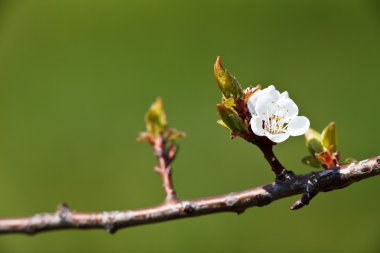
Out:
{"x": 175, "y": 135}
{"x": 313, "y": 141}
{"x": 328, "y": 136}
{"x": 226, "y": 82}
{"x": 155, "y": 118}
{"x": 221, "y": 122}
{"x": 230, "y": 118}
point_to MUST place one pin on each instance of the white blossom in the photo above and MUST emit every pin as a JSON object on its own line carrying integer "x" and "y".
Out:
{"x": 275, "y": 115}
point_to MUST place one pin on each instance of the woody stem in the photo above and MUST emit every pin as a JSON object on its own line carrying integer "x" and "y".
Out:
{"x": 278, "y": 169}
{"x": 164, "y": 168}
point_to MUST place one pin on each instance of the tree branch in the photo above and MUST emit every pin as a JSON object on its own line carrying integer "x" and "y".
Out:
{"x": 307, "y": 184}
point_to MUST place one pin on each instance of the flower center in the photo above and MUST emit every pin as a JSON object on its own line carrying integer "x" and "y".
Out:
{"x": 275, "y": 120}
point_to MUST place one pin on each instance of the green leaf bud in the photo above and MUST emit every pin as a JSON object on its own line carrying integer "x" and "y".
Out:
{"x": 226, "y": 82}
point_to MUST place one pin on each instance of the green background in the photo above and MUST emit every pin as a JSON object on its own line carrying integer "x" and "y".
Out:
{"x": 76, "y": 78}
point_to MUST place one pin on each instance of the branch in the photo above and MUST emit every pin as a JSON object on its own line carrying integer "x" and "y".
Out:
{"x": 308, "y": 185}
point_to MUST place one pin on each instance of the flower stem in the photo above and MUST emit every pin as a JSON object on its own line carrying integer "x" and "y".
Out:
{"x": 278, "y": 169}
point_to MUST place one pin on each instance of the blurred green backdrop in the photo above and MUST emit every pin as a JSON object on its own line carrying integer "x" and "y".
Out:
{"x": 76, "y": 78}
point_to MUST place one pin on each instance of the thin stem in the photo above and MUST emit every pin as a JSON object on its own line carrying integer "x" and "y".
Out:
{"x": 166, "y": 175}
{"x": 266, "y": 147}
{"x": 269, "y": 155}
{"x": 164, "y": 168}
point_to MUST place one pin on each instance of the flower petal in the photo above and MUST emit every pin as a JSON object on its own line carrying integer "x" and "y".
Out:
{"x": 252, "y": 101}
{"x": 277, "y": 138}
{"x": 285, "y": 94}
{"x": 289, "y": 108}
{"x": 257, "y": 126}
{"x": 298, "y": 126}
{"x": 270, "y": 91}
{"x": 265, "y": 105}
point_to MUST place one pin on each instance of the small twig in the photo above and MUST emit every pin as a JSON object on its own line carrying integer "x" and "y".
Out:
{"x": 311, "y": 190}
{"x": 64, "y": 218}
{"x": 165, "y": 156}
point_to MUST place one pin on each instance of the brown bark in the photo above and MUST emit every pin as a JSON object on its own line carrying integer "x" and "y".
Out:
{"x": 308, "y": 185}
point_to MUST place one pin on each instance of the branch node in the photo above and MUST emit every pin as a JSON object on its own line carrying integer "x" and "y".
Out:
{"x": 109, "y": 219}
{"x": 63, "y": 211}
{"x": 171, "y": 197}
{"x": 188, "y": 208}
{"x": 231, "y": 199}
{"x": 111, "y": 229}
{"x": 312, "y": 189}
{"x": 286, "y": 177}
